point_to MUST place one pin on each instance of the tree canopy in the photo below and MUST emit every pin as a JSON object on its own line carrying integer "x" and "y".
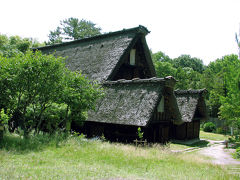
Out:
{"x": 39, "y": 93}
{"x": 73, "y": 29}
{"x": 230, "y": 97}
{"x": 221, "y": 78}
{"x": 13, "y": 45}
{"x": 185, "y": 69}
{"x": 188, "y": 61}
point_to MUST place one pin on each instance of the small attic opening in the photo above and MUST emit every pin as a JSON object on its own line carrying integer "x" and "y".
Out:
{"x": 160, "y": 107}
{"x": 133, "y": 57}
{"x": 134, "y": 65}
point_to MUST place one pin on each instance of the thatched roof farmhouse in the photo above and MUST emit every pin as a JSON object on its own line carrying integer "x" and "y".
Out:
{"x": 106, "y": 57}
{"x": 121, "y": 62}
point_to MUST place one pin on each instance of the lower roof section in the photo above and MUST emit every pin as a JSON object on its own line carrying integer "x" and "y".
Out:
{"x": 129, "y": 102}
{"x": 191, "y": 104}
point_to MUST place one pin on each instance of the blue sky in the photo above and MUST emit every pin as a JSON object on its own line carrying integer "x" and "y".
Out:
{"x": 201, "y": 28}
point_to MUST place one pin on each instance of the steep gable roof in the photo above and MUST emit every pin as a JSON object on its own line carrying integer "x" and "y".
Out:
{"x": 99, "y": 57}
{"x": 191, "y": 102}
{"x": 129, "y": 102}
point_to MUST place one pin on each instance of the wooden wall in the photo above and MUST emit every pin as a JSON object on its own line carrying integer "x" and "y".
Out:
{"x": 159, "y": 130}
{"x": 187, "y": 130}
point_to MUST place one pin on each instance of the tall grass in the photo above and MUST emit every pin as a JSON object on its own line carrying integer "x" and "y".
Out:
{"x": 16, "y": 143}
{"x": 60, "y": 157}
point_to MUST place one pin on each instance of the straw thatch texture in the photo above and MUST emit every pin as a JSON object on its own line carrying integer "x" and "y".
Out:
{"x": 98, "y": 56}
{"x": 96, "y": 59}
{"x": 128, "y": 102}
{"x": 189, "y": 101}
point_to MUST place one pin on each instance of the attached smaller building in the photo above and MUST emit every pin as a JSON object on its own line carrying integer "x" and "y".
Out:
{"x": 129, "y": 104}
{"x": 193, "y": 109}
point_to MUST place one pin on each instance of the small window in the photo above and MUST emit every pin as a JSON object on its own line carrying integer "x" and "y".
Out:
{"x": 132, "y": 57}
{"x": 160, "y": 107}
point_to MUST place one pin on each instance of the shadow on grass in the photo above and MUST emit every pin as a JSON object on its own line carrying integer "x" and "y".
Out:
{"x": 18, "y": 144}
{"x": 199, "y": 144}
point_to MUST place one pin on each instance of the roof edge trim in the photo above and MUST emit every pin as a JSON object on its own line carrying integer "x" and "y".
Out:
{"x": 138, "y": 30}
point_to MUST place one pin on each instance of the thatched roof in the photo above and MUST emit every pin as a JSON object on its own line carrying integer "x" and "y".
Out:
{"x": 130, "y": 102}
{"x": 99, "y": 57}
{"x": 191, "y": 103}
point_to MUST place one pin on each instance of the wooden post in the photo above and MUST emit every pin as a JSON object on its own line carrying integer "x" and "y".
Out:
{"x": 139, "y": 142}
{"x": 1, "y": 132}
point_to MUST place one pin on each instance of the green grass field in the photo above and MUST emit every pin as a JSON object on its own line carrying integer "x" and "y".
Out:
{"x": 213, "y": 136}
{"x": 43, "y": 157}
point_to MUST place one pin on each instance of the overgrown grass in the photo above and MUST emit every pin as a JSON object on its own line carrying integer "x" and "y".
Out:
{"x": 44, "y": 157}
{"x": 16, "y": 143}
{"x": 213, "y": 136}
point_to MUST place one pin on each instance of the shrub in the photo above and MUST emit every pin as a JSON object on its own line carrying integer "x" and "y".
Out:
{"x": 140, "y": 133}
{"x": 3, "y": 117}
{"x": 209, "y": 127}
{"x": 42, "y": 94}
{"x": 237, "y": 153}
{"x": 3, "y": 121}
{"x": 220, "y": 130}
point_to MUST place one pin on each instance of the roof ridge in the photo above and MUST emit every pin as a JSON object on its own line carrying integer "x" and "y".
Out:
{"x": 191, "y": 91}
{"x": 139, "y": 29}
{"x": 138, "y": 80}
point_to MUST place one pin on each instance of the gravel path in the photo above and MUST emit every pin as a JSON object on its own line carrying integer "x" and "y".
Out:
{"x": 219, "y": 154}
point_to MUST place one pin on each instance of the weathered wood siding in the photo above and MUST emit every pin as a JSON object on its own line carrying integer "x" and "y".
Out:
{"x": 188, "y": 130}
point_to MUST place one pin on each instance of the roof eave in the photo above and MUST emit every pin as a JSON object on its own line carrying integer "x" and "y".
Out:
{"x": 137, "y": 30}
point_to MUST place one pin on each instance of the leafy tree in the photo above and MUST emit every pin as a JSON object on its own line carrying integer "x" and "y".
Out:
{"x": 187, "y": 78}
{"x": 187, "y": 73}
{"x": 187, "y": 61}
{"x": 13, "y": 45}
{"x": 42, "y": 94}
{"x": 164, "y": 69}
{"x": 73, "y": 29}
{"x": 213, "y": 79}
{"x": 161, "y": 57}
{"x": 221, "y": 78}
{"x": 230, "y": 104}
{"x": 55, "y": 36}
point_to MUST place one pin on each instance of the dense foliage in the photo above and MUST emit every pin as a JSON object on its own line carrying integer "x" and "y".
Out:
{"x": 13, "y": 45}
{"x": 237, "y": 153}
{"x": 73, "y": 29}
{"x": 230, "y": 98}
{"x": 39, "y": 93}
{"x": 209, "y": 127}
{"x": 185, "y": 69}
{"x": 221, "y": 78}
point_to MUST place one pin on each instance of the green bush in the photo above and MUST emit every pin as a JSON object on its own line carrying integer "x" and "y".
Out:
{"x": 3, "y": 122}
{"x": 237, "y": 153}
{"x": 209, "y": 127}
{"x": 220, "y": 131}
{"x": 42, "y": 94}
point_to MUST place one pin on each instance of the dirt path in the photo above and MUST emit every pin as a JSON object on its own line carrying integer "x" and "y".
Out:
{"x": 220, "y": 155}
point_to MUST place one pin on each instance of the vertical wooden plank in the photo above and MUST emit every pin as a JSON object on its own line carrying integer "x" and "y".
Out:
{"x": 181, "y": 131}
{"x": 196, "y": 128}
{"x": 190, "y": 132}
{"x": 154, "y": 135}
